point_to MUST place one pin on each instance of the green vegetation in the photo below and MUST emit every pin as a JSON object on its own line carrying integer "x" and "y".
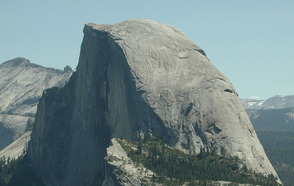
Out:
{"x": 173, "y": 167}
{"x": 7, "y": 169}
{"x": 272, "y": 119}
{"x": 278, "y": 146}
{"x": 15, "y": 172}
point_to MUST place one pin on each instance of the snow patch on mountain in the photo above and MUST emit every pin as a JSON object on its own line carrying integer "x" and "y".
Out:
{"x": 276, "y": 102}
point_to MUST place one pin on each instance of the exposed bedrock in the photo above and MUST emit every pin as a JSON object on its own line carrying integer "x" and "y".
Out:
{"x": 134, "y": 78}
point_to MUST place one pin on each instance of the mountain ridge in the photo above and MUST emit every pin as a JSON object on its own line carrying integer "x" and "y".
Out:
{"x": 275, "y": 102}
{"x": 134, "y": 79}
{"x": 21, "y": 61}
{"x": 21, "y": 85}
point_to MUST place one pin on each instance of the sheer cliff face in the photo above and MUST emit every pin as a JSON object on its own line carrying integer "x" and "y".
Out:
{"x": 134, "y": 78}
{"x": 21, "y": 86}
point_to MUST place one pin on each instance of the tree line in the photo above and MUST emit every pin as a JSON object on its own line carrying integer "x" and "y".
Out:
{"x": 173, "y": 166}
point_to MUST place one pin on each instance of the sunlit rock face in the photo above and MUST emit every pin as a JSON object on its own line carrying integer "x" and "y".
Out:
{"x": 21, "y": 86}
{"x": 136, "y": 78}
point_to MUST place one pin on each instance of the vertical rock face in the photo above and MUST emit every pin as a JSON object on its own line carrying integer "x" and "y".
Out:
{"x": 21, "y": 86}
{"x": 134, "y": 78}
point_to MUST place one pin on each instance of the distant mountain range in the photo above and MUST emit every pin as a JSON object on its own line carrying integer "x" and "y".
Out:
{"x": 137, "y": 81}
{"x": 21, "y": 86}
{"x": 273, "y": 120}
{"x": 275, "y": 113}
{"x": 276, "y": 102}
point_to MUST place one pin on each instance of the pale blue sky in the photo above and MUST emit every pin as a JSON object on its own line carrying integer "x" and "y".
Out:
{"x": 250, "y": 41}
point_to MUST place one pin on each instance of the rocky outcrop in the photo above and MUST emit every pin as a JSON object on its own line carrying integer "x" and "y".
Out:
{"x": 134, "y": 78}
{"x": 121, "y": 170}
{"x": 17, "y": 148}
{"x": 21, "y": 86}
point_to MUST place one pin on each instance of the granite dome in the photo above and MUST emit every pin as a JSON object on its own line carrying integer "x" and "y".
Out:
{"x": 135, "y": 78}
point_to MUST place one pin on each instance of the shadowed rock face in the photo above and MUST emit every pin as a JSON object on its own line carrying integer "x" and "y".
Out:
{"x": 134, "y": 78}
{"x": 21, "y": 86}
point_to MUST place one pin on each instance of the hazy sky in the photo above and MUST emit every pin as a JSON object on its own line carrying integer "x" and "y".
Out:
{"x": 251, "y": 42}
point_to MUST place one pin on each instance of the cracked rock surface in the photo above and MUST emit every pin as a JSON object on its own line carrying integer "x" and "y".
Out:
{"x": 134, "y": 78}
{"x": 125, "y": 171}
{"x": 195, "y": 103}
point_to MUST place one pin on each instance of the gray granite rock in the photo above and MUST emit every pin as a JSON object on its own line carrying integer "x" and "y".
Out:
{"x": 196, "y": 104}
{"x": 121, "y": 170}
{"x": 21, "y": 86}
{"x": 17, "y": 148}
{"x": 134, "y": 78}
